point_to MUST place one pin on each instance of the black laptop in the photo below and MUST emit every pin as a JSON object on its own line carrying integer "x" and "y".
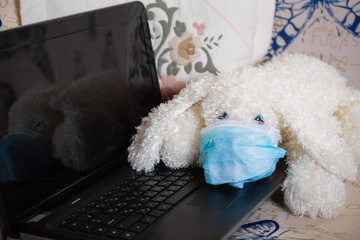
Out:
{"x": 111, "y": 201}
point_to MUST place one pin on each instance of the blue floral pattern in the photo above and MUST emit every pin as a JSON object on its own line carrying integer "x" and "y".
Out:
{"x": 293, "y": 17}
{"x": 264, "y": 230}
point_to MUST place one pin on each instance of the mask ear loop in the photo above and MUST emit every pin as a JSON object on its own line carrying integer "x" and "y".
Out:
{"x": 235, "y": 27}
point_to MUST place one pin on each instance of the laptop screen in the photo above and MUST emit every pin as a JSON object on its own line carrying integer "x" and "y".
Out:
{"x": 72, "y": 91}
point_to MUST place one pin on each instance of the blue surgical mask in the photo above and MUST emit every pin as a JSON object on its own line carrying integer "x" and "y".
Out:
{"x": 235, "y": 152}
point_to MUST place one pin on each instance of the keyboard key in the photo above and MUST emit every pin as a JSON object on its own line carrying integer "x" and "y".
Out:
{"x": 158, "y": 178}
{"x": 92, "y": 204}
{"x": 136, "y": 183}
{"x": 165, "y": 183}
{"x": 129, "y": 198}
{"x": 126, "y": 182}
{"x": 128, "y": 235}
{"x": 127, "y": 189}
{"x": 150, "y": 194}
{"x": 187, "y": 178}
{"x": 102, "y": 205}
{"x": 148, "y": 219}
{"x": 74, "y": 225}
{"x": 87, "y": 227}
{"x": 156, "y": 213}
{"x": 144, "y": 188}
{"x": 109, "y": 193}
{"x": 151, "y": 183}
{"x": 94, "y": 211}
{"x": 111, "y": 210}
{"x": 143, "y": 178}
{"x": 164, "y": 206}
{"x": 150, "y": 174}
{"x": 113, "y": 220}
{"x": 179, "y": 173}
{"x": 142, "y": 199}
{"x": 158, "y": 198}
{"x": 100, "y": 230}
{"x": 137, "y": 193}
{"x": 127, "y": 222}
{"x": 120, "y": 204}
{"x": 134, "y": 205}
{"x": 178, "y": 196}
{"x": 172, "y": 178}
{"x": 165, "y": 172}
{"x": 143, "y": 210}
{"x": 119, "y": 194}
{"x": 111, "y": 199}
{"x": 166, "y": 193}
{"x": 101, "y": 198}
{"x": 114, "y": 233}
{"x": 117, "y": 188}
{"x": 126, "y": 211}
{"x": 181, "y": 183}
{"x": 151, "y": 204}
{"x": 99, "y": 218}
{"x": 138, "y": 227}
{"x": 174, "y": 188}
{"x": 157, "y": 188}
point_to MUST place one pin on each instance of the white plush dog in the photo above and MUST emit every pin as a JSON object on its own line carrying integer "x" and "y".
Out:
{"x": 316, "y": 114}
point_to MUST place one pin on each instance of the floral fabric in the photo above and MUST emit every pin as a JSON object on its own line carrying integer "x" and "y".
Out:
{"x": 190, "y": 38}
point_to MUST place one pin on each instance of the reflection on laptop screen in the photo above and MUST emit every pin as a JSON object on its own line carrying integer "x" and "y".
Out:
{"x": 69, "y": 102}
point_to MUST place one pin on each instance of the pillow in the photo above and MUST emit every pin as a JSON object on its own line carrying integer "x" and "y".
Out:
{"x": 190, "y": 38}
{"x": 328, "y": 30}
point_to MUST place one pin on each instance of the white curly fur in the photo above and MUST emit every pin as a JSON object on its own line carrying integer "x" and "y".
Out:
{"x": 317, "y": 115}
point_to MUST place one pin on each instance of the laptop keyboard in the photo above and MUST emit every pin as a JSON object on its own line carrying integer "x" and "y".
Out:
{"x": 130, "y": 207}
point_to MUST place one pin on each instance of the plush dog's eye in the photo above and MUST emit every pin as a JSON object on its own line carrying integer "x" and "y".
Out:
{"x": 259, "y": 119}
{"x": 223, "y": 116}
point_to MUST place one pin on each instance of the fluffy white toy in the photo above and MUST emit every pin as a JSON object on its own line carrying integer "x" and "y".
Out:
{"x": 306, "y": 100}
{"x": 76, "y": 117}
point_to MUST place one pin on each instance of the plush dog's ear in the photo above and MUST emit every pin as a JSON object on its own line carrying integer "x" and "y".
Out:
{"x": 144, "y": 151}
{"x": 314, "y": 183}
{"x": 348, "y": 115}
{"x": 321, "y": 138}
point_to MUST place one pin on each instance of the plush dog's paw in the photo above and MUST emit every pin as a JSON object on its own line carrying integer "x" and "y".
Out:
{"x": 313, "y": 191}
{"x": 181, "y": 144}
{"x": 173, "y": 140}
{"x": 144, "y": 150}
